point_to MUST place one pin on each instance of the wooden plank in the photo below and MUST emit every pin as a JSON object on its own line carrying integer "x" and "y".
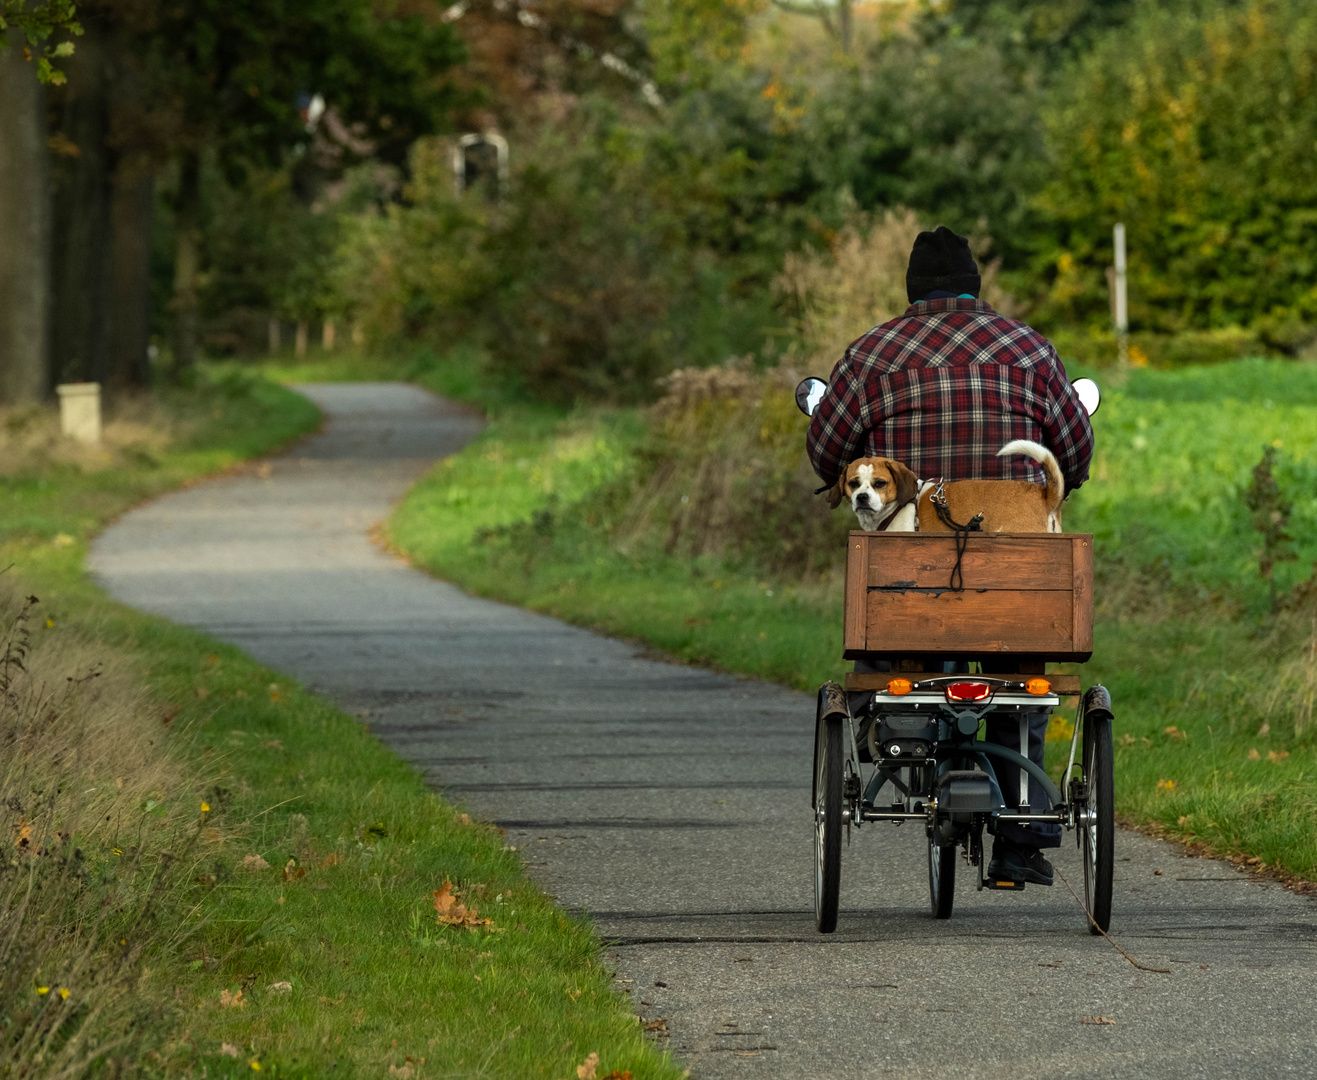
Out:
{"x": 968, "y": 623}
{"x": 991, "y": 561}
{"x": 855, "y": 610}
{"x": 1061, "y": 684}
{"x": 1081, "y": 620}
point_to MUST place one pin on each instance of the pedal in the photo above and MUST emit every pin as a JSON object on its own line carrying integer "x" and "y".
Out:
{"x": 1014, "y": 886}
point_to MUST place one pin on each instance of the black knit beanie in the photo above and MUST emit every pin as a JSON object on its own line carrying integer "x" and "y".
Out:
{"x": 941, "y": 261}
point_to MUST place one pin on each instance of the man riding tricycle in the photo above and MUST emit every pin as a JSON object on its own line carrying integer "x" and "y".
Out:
{"x": 959, "y": 593}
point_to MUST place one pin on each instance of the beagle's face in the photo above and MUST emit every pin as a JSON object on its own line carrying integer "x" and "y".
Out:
{"x": 873, "y": 483}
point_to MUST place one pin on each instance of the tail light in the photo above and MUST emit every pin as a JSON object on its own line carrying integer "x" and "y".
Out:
{"x": 969, "y": 691}
{"x": 899, "y": 687}
{"x": 1038, "y": 687}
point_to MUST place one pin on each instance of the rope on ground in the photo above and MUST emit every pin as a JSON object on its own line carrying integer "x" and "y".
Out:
{"x": 1093, "y": 923}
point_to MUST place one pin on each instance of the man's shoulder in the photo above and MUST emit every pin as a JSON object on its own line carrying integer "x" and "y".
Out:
{"x": 925, "y": 335}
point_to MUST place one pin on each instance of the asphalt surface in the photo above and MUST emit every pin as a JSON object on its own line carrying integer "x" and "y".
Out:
{"x": 673, "y": 805}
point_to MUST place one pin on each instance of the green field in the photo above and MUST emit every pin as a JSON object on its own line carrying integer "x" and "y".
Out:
{"x": 1216, "y": 740}
{"x": 254, "y": 882}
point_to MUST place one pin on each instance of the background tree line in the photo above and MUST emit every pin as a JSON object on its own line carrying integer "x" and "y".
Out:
{"x": 668, "y": 157}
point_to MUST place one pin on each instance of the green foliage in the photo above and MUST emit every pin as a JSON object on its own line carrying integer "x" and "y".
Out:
{"x": 231, "y": 76}
{"x": 1043, "y": 31}
{"x": 1194, "y": 126}
{"x": 37, "y": 23}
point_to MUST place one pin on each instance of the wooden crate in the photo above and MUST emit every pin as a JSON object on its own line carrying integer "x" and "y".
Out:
{"x": 1025, "y": 594}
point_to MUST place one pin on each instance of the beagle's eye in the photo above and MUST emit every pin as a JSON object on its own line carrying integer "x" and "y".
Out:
{"x": 880, "y": 483}
{"x": 853, "y": 484}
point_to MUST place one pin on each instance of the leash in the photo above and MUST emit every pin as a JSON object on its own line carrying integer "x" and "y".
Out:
{"x": 1093, "y": 923}
{"x": 975, "y": 524}
{"x": 887, "y": 521}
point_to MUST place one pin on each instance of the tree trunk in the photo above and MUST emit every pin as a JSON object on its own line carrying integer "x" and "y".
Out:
{"x": 81, "y": 213}
{"x": 24, "y": 231}
{"x": 327, "y": 335}
{"x": 275, "y": 335}
{"x": 844, "y": 24}
{"x": 299, "y": 341}
{"x": 187, "y": 228}
{"x": 132, "y": 206}
{"x": 132, "y": 215}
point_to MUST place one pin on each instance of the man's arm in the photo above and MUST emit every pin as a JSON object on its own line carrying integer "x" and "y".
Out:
{"x": 1067, "y": 432}
{"x": 837, "y": 427}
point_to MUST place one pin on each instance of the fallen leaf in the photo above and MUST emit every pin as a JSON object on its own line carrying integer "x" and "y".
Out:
{"x": 231, "y": 999}
{"x": 1156, "y": 873}
{"x": 451, "y": 912}
{"x": 1175, "y": 733}
{"x": 1097, "y": 1020}
{"x": 402, "y": 1071}
{"x": 462, "y": 819}
{"x": 284, "y": 987}
{"x": 229, "y": 1050}
{"x": 274, "y": 744}
{"x": 1273, "y": 755}
{"x": 276, "y": 695}
{"x": 332, "y": 859}
{"x": 202, "y": 693}
{"x": 254, "y": 862}
{"x": 1167, "y": 785}
{"x": 586, "y": 1070}
{"x": 292, "y": 871}
{"x": 62, "y": 540}
{"x": 619, "y": 1074}
{"x": 1253, "y": 754}
{"x": 661, "y": 1024}
{"x": 1265, "y": 729}
{"x": 575, "y": 995}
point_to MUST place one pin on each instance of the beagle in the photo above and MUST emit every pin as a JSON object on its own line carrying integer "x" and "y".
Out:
{"x": 887, "y": 497}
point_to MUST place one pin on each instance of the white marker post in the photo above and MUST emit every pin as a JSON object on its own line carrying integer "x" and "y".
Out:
{"x": 80, "y": 412}
{"x": 1122, "y": 297}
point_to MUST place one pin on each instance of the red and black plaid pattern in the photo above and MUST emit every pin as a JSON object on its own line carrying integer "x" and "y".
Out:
{"x": 942, "y": 389}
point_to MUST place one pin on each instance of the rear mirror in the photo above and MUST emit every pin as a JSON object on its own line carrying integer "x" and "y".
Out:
{"x": 810, "y": 392}
{"x": 1089, "y": 395}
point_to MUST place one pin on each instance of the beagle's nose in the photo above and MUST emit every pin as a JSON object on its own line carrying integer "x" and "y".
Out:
{"x": 862, "y": 499}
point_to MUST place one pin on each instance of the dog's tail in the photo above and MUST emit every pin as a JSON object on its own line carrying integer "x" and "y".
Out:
{"x": 1055, "y": 481}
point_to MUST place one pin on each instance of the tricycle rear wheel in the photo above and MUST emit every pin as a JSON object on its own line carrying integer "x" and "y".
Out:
{"x": 829, "y": 758}
{"x": 1099, "y": 831}
{"x": 941, "y": 877}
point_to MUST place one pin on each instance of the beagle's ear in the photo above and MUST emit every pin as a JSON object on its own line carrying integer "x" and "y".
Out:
{"x": 907, "y": 484}
{"x": 838, "y": 490}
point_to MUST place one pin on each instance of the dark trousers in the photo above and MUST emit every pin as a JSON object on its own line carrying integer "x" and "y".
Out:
{"x": 1004, "y": 731}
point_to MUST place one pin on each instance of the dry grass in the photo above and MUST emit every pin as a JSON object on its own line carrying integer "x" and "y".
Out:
{"x": 136, "y": 427}
{"x": 837, "y": 294}
{"x": 96, "y": 828}
{"x": 725, "y": 474}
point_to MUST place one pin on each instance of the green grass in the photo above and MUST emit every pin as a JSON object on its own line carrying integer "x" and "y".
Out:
{"x": 1183, "y": 637}
{"x": 355, "y": 844}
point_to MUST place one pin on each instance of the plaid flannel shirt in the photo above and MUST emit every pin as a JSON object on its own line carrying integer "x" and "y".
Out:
{"x": 941, "y": 389}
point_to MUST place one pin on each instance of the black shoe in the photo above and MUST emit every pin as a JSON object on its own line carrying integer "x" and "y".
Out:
{"x": 1018, "y": 864}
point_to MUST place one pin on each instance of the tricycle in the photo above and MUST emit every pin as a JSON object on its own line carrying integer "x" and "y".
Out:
{"x": 953, "y": 631}
{"x": 902, "y": 741}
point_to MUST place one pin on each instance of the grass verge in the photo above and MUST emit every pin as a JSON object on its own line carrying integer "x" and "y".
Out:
{"x": 235, "y": 876}
{"x": 1216, "y": 743}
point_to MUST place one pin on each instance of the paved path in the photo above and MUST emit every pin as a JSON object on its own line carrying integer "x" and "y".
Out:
{"x": 672, "y": 803}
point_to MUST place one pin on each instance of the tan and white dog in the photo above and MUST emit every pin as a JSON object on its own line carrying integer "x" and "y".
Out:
{"x": 887, "y": 497}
